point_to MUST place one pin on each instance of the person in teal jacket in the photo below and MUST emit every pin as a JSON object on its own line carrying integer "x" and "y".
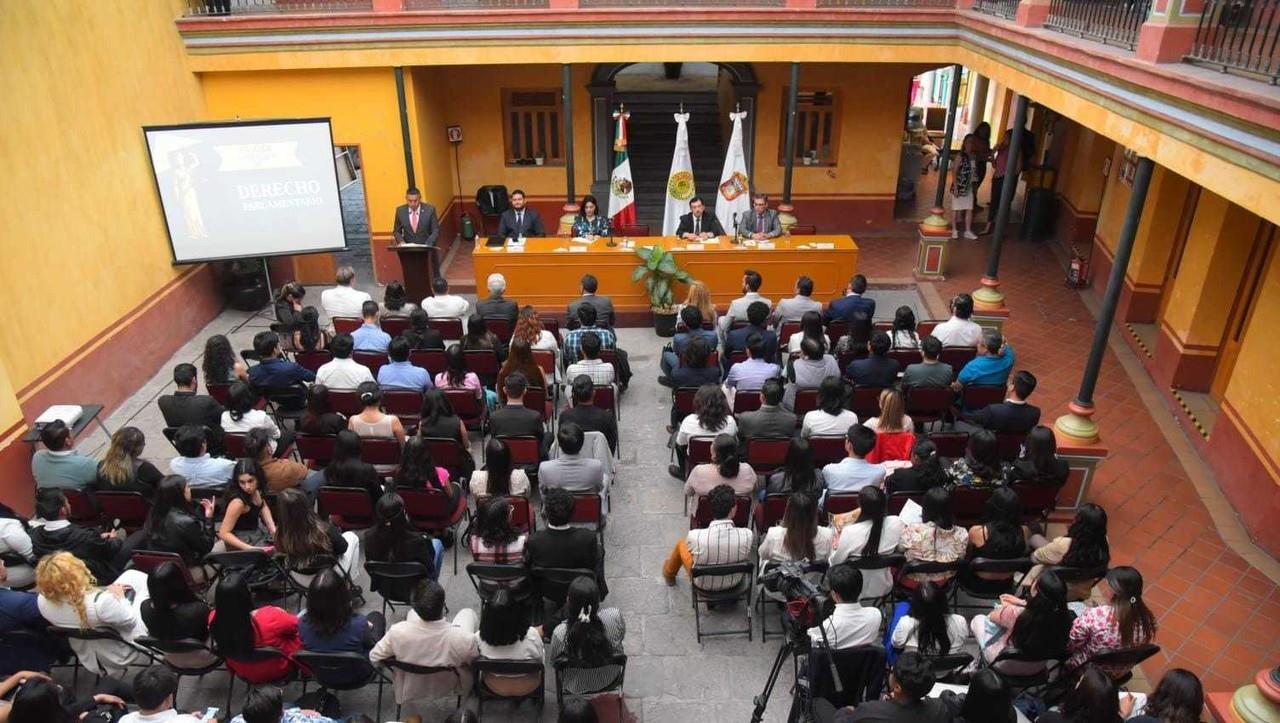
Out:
{"x": 992, "y": 365}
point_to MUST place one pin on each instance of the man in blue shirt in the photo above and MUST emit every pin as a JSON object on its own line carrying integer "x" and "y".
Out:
{"x": 692, "y": 318}
{"x": 992, "y": 365}
{"x": 399, "y": 373}
{"x": 587, "y": 316}
{"x": 750, "y": 375}
{"x": 370, "y": 336}
{"x": 274, "y": 371}
{"x": 757, "y": 315}
{"x": 854, "y": 472}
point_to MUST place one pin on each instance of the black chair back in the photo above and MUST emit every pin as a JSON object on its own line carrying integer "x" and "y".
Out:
{"x": 861, "y": 670}
{"x": 338, "y": 671}
{"x": 553, "y": 582}
{"x": 395, "y": 580}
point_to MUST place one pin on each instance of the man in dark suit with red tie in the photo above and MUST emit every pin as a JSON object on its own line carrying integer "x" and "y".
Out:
{"x": 416, "y": 223}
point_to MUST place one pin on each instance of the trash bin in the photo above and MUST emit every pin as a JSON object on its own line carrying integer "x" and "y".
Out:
{"x": 1037, "y": 217}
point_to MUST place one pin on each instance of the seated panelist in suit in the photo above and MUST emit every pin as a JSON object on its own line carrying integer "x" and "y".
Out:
{"x": 762, "y": 222}
{"x": 698, "y": 225}
{"x": 518, "y": 220}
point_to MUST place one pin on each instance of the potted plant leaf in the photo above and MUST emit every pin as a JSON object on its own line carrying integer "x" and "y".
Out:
{"x": 660, "y": 272}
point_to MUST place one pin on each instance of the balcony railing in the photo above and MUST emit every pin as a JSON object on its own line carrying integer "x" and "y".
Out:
{"x": 251, "y": 7}
{"x": 886, "y": 3}
{"x": 681, "y": 3}
{"x": 473, "y": 4}
{"x": 1240, "y": 35}
{"x": 1108, "y": 21}
{"x": 1007, "y": 9}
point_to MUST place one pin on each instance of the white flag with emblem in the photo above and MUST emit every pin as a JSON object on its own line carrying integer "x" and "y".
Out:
{"x": 680, "y": 186}
{"x": 733, "y": 196}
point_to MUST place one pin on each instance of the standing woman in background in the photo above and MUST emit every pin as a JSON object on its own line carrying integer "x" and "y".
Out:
{"x": 962, "y": 190}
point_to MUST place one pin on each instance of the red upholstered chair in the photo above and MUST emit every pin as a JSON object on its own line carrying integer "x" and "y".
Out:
{"x": 769, "y": 513}
{"x": 1009, "y": 445}
{"x": 483, "y": 363}
{"x": 827, "y": 449}
{"x": 925, "y": 328}
{"x": 535, "y": 398}
{"x": 701, "y": 516}
{"x": 838, "y": 504}
{"x": 606, "y": 397}
{"x": 865, "y": 402}
{"x": 312, "y": 360}
{"x": 432, "y": 510}
{"x": 470, "y": 409}
{"x": 950, "y": 444}
{"x": 348, "y": 508}
{"x": 449, "y": 328}
{"x": 969, "y": 503}
{"x": 806, "y": 401}
{"x": 788, "y": 328}
{"x": 746, "y": 401}
{"x": 233, "y": 444}
{"x": 316, "y": 449}
{"x": 373, "y": 360}
{"x": 501, "y": 327}
{"x": 905, "y": 357}
{"x": 928, "y": 404}
{"x": 957, "y": 357}
{"x": 767, "y": 454}
{"x": 345, "y": 401}
{"x": 130, "y": 508}
{"x": 450, "y": 454}
{"x": 430, "y": 359}
{"x": 588, "y": 509}
{"x": 682, "y": 399}
{"x": 553, "y": 326}
{"x": 978, "y": 396}
{"x": 383, "y": 451}
{"x": 404, "y": 403}
{"x": 346, "y": 324}
{"x": 219, "y": 391}
{"x": 394, "y": 325}
{"x": 524, "y": 451}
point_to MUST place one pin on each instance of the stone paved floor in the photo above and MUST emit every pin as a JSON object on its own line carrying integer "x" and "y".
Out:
{"x": 1218, "y": 611}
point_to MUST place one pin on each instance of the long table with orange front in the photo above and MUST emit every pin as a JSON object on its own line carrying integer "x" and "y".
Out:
{"x": 546, "y": 272}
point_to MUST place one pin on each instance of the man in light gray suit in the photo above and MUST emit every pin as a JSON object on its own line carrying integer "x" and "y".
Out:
{"x": 795, "y": 307}
{"x": 603, "y": 304}
{"x": 770, "y": 420}
{"x": 416, "y": 223}
{"x": 762, "y": 223}
{"x": 570, "y": 471}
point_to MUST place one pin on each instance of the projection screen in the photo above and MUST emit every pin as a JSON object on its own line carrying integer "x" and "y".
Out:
{"x": 247, "y": 189}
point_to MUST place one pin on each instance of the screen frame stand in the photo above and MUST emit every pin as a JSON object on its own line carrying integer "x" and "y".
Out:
{"x": 267, "y": 312}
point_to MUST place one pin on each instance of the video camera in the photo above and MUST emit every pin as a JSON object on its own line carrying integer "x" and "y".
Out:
{"x": 807, "y": 603}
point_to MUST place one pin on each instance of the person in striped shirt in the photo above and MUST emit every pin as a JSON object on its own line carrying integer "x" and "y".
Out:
{"x": 720, "y": 543}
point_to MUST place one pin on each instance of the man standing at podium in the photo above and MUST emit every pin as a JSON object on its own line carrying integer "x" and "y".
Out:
{"x": 519, "y": 220}
{"x": 416, "y": 224}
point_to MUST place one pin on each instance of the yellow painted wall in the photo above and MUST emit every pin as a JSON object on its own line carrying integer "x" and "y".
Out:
{"x": 1254, "y": 389}
{"x": 432, "y": 152}
{"x": 1115, "y": 199}
{"x": 1080, "y": 179}
{"x": 1158, "y": 233}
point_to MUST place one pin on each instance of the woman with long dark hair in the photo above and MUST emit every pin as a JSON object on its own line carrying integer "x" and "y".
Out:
{"x": 1178, "y": 698}
{"x": 798, "y": 472}
{"x": 478, "y": 336}
{"x": 37, "y": 698}
{"x": 499, "y": 478}
{"x": 289, "y": 304}
{"x": 237, "y": 627}
{"x": 309, "y": 336}
{"x": 588, "y": 638}
{"x": 1036, "y": 627}
{"x": 493, "y": 536}
{"x": 246, "y": 517}
{"x": 456, "y": 376}
{"x": 395, "y": 300}
{"x": 590, "y": 223}
{"x": 1000, "y": 536}
{"x": 904, "y": 334}
{"x": 504, "y": 634}
{"x": 924, "y": 474}
{"x": 346, "y": 469}
{"x": 711, "y": 416}
{"x": 1122, "y": 621}
{"x": 980, "y": 466}
{"x": 988, "y": 700}
{"x": 810, "y": 328}
{"x": 302, "y": 537}
{"x": 936, "y": 538}
{"x": 173, "y": 612}
{"x": 871, "y": 532}
{"x": 520, "y": 360}
{"x": 420, "y": 335}
{"x": 929, "y": 627}
{"x": 1039, "y": 463}
{"x": 436, "y": 418}
{"x": 1094, "y": 699}
{"x": 242, "y": 416}
{"x": 176, "y": 524}
{"x": 725, "y": 468}
{"x": 122, "y": 469}
{"x": 330, "y": 625}
{"x": 799, "y": 536}
{"x": 220, "y": 363}
{"x": 1084, "y": 546}
{"x": 395, "y": 539}
{"x": 319, "y": 416}
{"x": 418, "y": 471}
{"x": 830, "y": 418}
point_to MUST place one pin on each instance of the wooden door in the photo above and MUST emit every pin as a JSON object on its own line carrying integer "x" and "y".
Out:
{"x": 1260, "y": 259}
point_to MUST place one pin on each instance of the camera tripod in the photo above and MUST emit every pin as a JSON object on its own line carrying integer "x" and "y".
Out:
{"x": 797, "y": 644}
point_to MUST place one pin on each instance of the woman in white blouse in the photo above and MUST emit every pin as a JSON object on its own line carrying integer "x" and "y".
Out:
{"x": 872, "y": 534}
{"x": 503, "y": 635}
{"x": 830, "y": 418}
{"x": 241, "y": 416}
{"x": 15, "y": 543}
{"x": 68, "y": 598}
{"x": 799, "y": 536}
{"x": 929, "y": 627}
{"x": 711, "y": 416}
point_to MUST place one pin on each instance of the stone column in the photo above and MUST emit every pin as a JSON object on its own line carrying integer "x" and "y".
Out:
{"x": 935, "y": 231}
{"x": 988, "y": 302}
{"x": 566, "y": 119}
{"x": 787, "y": 211}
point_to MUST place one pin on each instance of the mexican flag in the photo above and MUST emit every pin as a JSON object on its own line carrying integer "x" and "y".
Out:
{"x": 680, "y": 181}
{"x": 622, "y": 192}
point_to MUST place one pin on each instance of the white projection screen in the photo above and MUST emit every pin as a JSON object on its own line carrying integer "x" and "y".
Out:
{"x": 247, "y": 189}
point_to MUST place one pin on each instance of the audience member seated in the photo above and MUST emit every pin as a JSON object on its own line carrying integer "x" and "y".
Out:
{"x": 154, "y": 690}
{"x": 399, "y": 373}
{"x": 1123, "y": 620}
{"x": 936, "y": 538}
{"x": 15, "y": 544}
{"x": 20, "y": 613}
{"x": 1094, "y": 699}
{"x": 854, "y": 342}
{"x": 1178, "y": 698}
{"x": 308, "y": 336}
{"x": 992, "y": 365}
{"x": 246, "y": 517}
{"x": 904, "y": 334}
{"x": 720, "y": 543}
{"x": 831, "y": 418}
{"x": 699, "y": 296}
{"x": 798, "y": 473}
{"x": 237, "y": 627}
{"x": 586, "y": 414}
{"x": 930, "y": 372}
{"x": 499, "y": 478}
{"x": 808, "y": 370}
{"x": 330, "y": 625}
{"x": 514, "y": 419}
{"x": 877, "y": 369}
{"x": 529, "y": 329}
{"x": 695, "y": 370}
{"x": 184, "y": 406}
{"x": 988, "y": 698}
{"x": 559, "y": 544}
{"x": 798, "y": 306}
{"x": 1039, "y": 463}
{"x": 265, "y": 704}
{"x": 36, "y": 697}
{"x": 725, "y": 468}
{"x": 1000, "y": 536}
{"x": 810, "y": 328}
{"x": 854, "y": 471}
{"x": 343, "y": 299}
{"x": 178, "y": 525}
{"x": 1014, "y": 415}
{"x": 425, "y": 638}
{"x": 443, "y": 305}
{"x": 122, "y": 468}
{"x": 373, "y": 423}
{"x": 959, "y": 330}
{"x": 980, "y": 466}
{"x": 52, "y": 532}
{"x": 570, "y": 470}
{"x": 852, "y": 303}
{"x": 395, "y": 539}
{"x": 588, "y": 639}
{"x": 603, "y": 304}
{"x": 750, "y": 375}
{"x": 691, "y": 318}
{"x": 711, "y": 416}
{"x": 740, "y": 308}
{"x": 870, "y": 532}
{"x": 70, "y": 599}
{"x": 909, "y": 684}
{"x": 1084, "y": 546}
{"x": 220, "y": 363}
{"x": 770, "y": 420}
{"x": 395, "y": 300}
{"x": 520, "y": 359}
{"x": 1035, "y": 627}
{"x": 850, "y": 624}
{"x": 590, "y": 364}
{"x": 494, "y": 539}
{"x": 929, "y": 627}
{"x": 504, "y": 635}
{"x": 281, "y": 473}
{"x": 479, "y": 338}
{"x": 456, "y": 376}
{"x": 418, "y": 471}
{"x": 736, "y": 339}
{"x": 302, "y": 537}
{"x": 924, "y": 473}
{"x": 319, "y": 418}
{"x": 895, "y": 431}
{"x": 172, "y": 611}
{"x": 798, "y": 536}
{"x": 608, "y": 342}
{"x": 343, "y": 372}
{"x": 58, "y": 465}
{"x": 496, "y": 304}
{"x": 273, "y": 371}
{"x": 288, "y": 304}
{"x": 241, "y": 417}
{"x": 420, "y": 335}
{"x": 346, "y": 469}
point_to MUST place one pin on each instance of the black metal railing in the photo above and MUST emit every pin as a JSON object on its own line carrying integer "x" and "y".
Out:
{"x": 1007, "y": 9}
{"x": 886, "y": 3}
{"x": 255, "y": 7}
{"x": 1108, "y": 21}
{"x": 680, "y": 3}
{"x": 1239, "y": 35}
{"x": 473, "y": 4}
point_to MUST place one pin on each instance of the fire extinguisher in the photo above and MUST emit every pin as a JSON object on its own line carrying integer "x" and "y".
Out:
{"x": 1078, "y": 270}
{"x": 468, "y": 228}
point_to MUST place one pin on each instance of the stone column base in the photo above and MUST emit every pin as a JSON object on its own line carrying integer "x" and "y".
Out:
{"x": 1082, "y": 460}
{"x": 787, "y": 216}
{"x": 933, "y": 257}
{"x": 566, "y": 220}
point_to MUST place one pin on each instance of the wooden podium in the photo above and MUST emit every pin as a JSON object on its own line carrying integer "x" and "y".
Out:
{"x": 418, "y": 264}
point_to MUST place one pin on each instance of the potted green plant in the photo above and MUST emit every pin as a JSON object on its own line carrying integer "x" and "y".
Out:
{"x": 660, "y": 272}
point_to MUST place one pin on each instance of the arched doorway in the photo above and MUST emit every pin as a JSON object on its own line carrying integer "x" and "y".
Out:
{"x": 653, "y": 92}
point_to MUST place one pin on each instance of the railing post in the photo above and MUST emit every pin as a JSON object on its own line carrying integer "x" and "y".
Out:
{"x": 388, "y": 6}
{"x": 965, "y": 4}
{"x": 1170, "y": 30}
{"x": 801, "y": 4}
{"x": 1031, "y": 13}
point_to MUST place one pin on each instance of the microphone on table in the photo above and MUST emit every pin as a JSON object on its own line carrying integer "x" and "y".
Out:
{"x": 737, "y": 234}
